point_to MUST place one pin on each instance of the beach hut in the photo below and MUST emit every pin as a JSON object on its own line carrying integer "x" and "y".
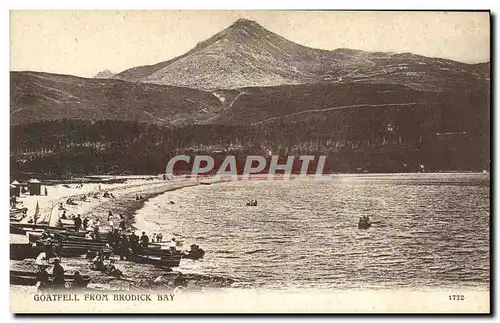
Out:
{"x": 15, "y": 188}
{"x": 34, "y": 186}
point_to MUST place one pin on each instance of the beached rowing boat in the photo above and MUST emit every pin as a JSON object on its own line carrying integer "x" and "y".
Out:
{"x": 17, "y": 230}
{"x": 36, "y": 227}
{"x": 162, "y": 253}
{"x": 170, "y": 261}
{"x": 28, "y": 278}
{"x": 21, "y": 251}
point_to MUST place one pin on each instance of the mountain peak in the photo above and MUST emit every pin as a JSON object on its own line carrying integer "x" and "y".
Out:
{"x": 106, "y": 74}
{"x": 245, "y": 22}
{"x": 245, "y": 27}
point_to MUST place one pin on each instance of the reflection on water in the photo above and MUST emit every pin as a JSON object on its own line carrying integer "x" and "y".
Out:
{"x": 429, "y": 230}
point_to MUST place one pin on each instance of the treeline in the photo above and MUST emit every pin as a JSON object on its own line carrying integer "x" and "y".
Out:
{"x": 388, "y": 140}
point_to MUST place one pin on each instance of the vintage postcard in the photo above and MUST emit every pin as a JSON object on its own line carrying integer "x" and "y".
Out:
{"x": 250, "y": 162}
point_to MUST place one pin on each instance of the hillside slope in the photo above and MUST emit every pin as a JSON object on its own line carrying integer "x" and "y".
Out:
{"x": 42, "y": 96}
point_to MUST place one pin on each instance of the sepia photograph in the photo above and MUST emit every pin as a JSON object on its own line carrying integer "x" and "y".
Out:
{"x": 328, "y": 162}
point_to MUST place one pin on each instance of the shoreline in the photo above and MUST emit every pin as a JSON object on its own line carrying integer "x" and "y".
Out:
{"x": 90, "y": 202}
{"x": 127, "y": 205}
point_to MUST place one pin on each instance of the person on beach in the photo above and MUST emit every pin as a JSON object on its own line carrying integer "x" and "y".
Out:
{"x": 98, "y": 262}
{"x": 96, "y": 230}
{"x": 107, "y": 251}
{"x": 59, "y": 245}
{"x": 45, "y": 191}
{"x": 63, "y": 216}
{"x": 122, "y": 224}
{"x": 154, "y": 237}
{"x": 58, "y": 273}
{"x": 110, "y": 221}
{"x": 85, "y": 224}
{"x": 173, "y": 244}
{"x": 78, "y": 222}
{"x": 115, "y": 240}
{"x": 42, "y": 278}
{"x": 144, "y": 240}
{"x": 124, "y": 245}
{"x": 159, "y": 237}
{"x": 42, "y": 259}
{"x": 95, "y": 233}
{"x": 78, "y": 282}
{"x": 111, "y": 237}
{"x": 111, "y": 270}
{"x": 48, "y": 249}
{"x": 134, "y": 242}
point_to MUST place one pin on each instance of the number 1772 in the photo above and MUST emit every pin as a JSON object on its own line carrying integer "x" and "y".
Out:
{"x": 456, "y": 297}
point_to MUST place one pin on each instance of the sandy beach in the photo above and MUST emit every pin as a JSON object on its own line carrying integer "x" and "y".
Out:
{"x": 124, "y": 202}
{"x": 90, "y": 202}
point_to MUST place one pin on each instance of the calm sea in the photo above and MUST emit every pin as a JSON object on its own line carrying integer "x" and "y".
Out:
{"x": 430, "y": 230}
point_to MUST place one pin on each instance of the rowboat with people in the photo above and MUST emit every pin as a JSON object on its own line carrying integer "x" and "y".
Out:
{"x": 364, "y": 222}
{"x": 251, "y": 203}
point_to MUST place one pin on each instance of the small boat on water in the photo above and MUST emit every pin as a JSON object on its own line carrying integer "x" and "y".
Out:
{"x": 252, "y": 203}
{"x": 28, "y": 278}
{"x": 364, "y": 223}
{"x": 195, "y": 253}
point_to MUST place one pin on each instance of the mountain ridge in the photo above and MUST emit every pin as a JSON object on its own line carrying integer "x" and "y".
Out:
{"x": 245, "y": 54}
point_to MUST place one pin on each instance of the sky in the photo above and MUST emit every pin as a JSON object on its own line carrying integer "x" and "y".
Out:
{"x": 83, "y": 43}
